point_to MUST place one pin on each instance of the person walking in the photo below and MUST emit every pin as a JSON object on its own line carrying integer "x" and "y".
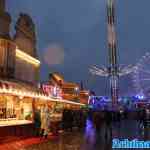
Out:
{"x": 70, "y": 120}
{"x": 118, "y": 117}
{"x": 45, "y": 122}
{"x": 37, "y": 122}
{"x": 108, "y": 124}
{"x": 141, "y": 118}
{"x": 64, "y": 119}
{"x": 98, "y": 121}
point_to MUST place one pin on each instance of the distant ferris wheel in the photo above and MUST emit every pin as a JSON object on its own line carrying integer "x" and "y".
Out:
{"x": 141, "y": 76}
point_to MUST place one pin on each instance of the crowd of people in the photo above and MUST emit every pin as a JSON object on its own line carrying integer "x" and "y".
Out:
{"x": 70, "y": 119}
{"x": 103, "y": 122}
{"x": 73, "y": 118}
{"x": 144, "y": 118}
{"x": 42, "y": 121}
{"x": 103, "y": 119}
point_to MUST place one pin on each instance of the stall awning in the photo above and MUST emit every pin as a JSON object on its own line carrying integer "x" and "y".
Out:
{"x": 18, "y": 88}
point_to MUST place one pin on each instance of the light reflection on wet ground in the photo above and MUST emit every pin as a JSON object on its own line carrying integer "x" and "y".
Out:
{"x": 90, "y": 140}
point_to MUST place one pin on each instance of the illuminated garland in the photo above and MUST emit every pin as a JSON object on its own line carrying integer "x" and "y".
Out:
{"x": 24, "y": 56}
{"x": 36, "y": 95}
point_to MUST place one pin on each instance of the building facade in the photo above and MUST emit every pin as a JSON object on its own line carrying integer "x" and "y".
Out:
{"x": 7, "y": 46}
{"x": 19, "y": 69}
{"x": 27, "y": 64}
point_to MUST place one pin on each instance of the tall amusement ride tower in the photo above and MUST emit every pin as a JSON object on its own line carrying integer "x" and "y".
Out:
{"x": 113, "y": 71}
{"x": 113, "y": 66}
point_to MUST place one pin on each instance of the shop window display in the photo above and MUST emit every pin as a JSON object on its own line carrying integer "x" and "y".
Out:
{"x": 15, "y": 109}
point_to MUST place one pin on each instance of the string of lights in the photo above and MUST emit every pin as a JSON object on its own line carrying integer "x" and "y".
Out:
{"x": 35, "y": 95}
{"x": 105, "y": 72}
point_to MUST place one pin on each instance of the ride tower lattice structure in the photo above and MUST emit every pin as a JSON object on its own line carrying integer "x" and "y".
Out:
{"x": 113, "y": 68}
{"x": 113, "y": 71}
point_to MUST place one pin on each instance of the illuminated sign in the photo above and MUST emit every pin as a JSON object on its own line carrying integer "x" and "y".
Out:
{"x": 52, "y": 90}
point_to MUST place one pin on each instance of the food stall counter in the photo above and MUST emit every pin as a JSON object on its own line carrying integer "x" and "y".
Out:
{"x": 14, "y": 122}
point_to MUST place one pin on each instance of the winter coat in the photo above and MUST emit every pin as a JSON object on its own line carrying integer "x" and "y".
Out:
{"x": 45, "y": 120}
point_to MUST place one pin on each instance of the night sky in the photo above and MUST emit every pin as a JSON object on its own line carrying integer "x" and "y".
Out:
{"x": 72, "y": 36}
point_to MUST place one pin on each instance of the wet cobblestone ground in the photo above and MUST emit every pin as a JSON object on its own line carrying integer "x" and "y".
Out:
{"x": 89, "y": 140}
{"x": 81, "y": 140}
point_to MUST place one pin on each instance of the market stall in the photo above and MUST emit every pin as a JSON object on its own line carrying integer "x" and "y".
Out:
{"x": 18, "y": 103}
{"x": 16, "y": 107}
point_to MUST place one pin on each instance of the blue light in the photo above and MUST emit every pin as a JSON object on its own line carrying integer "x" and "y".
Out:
{"x": 140, "y": 96}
